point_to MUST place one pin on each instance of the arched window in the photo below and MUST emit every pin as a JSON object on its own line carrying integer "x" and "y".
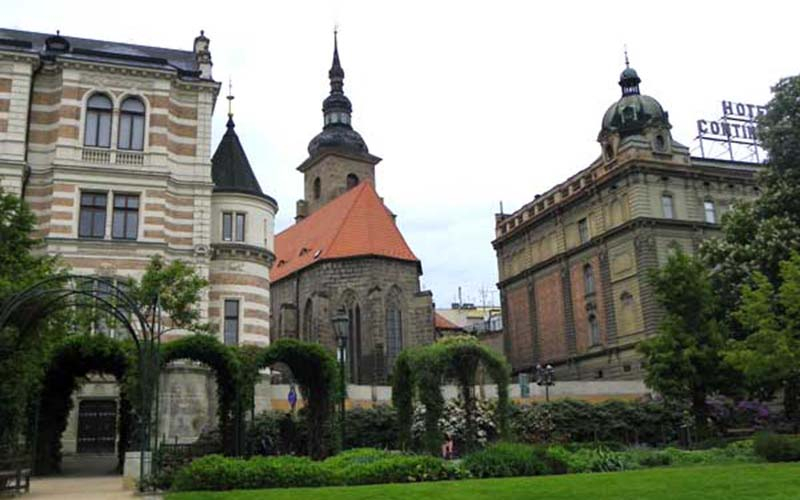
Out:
{"x": 710, "y": 211}
{"x": 667, "y": 206}
{"x": 661, "y": 143}
{"x": 588, "y": 279}
{"x": 352, "y": 181}
{"x": 317, "y": 188}
{"x": 594, "y": 330}
{"x": 394, "y": 330}
{"x": 98, "y": 122}
{"x": 131, "y": 124}
{"x": 309, "y": 333}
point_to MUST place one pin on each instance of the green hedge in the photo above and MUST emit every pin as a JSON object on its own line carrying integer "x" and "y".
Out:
{"x": 777, "y": 448}
{"x": 362, "y": 466}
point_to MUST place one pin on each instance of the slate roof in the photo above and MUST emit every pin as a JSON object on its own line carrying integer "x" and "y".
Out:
{"x": 84, "y": 49}
{"x": 230, "y": 168}
{"x": 355, "y": 224}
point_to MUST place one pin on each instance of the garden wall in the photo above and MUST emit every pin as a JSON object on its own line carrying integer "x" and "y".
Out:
{"x": 274, "y": 397}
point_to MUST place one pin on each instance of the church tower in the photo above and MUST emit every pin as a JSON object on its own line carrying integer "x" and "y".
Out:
{"x": 338, "y": 158}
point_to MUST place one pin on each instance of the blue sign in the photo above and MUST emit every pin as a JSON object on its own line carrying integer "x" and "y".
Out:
{"x": 292, "y": 397}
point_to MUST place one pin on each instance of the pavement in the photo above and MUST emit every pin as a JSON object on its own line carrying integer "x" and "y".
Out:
{"x": 84, "y": 478}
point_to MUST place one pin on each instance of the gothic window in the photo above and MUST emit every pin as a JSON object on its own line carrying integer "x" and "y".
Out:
{"x": 131, "y": 124}
{"x": 394, "y": 329}
{"x": 125, "y": 223}
{"x": 588, "y": 279}
{"x": 710, "y": 212}
{"x": 583, "y": 230}
{"x": 594, "y": 330}
{"x": 667, "y": 207}
{"x": 308, "y": 323}
{"x": 98, "y": 122}
{"x": 354, "y": 340}
{"x": 92, "y": 222}
{"x": 317, "y": 188}
{"x": 231, "y": 322}
{"x": 352, "y": 181}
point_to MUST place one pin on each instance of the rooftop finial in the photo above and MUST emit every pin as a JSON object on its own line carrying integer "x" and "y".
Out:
{"x": 58, "y": 32}
{"x": 230, "y": 102}
{"x": 627, "y": 63}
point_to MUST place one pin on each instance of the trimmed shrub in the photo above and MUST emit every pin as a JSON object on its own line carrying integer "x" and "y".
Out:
{"x": 777, "y": 447}
{"x": 372, "y": 428}
{"x": 216, "y": 472}
{"x": 511, "y": 459}
{"x": 591, "y": 459}
{"x": 358, "y": 456}
{"x": 398, "y": 469}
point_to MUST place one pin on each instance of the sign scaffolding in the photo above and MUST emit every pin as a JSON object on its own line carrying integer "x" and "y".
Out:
{"x": 734, "y": 134}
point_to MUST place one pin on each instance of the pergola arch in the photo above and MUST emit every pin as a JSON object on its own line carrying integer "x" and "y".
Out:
{"x": 74, "y": 358}
{"x": 421, "y": 371}
{"x": 209, "y": 351}
{"x": 314, "y": 370}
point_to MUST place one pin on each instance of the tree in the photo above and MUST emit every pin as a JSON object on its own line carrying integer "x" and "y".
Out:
{"x": 21, "y": 352}
{"x": 758, "y": 236}
{"x": 684, "y": 360}
{"x": 769, "y": 356}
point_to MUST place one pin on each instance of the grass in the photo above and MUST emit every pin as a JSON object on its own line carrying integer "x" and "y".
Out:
{"x": 725, "y": 482}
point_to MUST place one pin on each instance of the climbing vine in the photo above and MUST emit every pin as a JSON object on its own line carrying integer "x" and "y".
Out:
{"x": 314, "y": 370}
{"x": 419, "y": 373}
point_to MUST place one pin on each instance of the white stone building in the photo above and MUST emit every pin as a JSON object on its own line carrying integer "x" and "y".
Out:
{"x": 110, "y": 145}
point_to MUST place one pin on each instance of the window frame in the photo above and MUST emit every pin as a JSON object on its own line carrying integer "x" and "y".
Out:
{"x": 95, "y": 210}
{"x": 230, "y": 226}
{"x": 236, "y": 318}
{"x": 709, "y": 204}
{"x": 125, "y": 211}
{"x": 588, "y": 279}
{"x": 131, "y": 115}
{"x": 664, "y": 198}
{"x": 594, "y": 330}
{"x": 583, "y": 230}
{"x": 98, "y": 112}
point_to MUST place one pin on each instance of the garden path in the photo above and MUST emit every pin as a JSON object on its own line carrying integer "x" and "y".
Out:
{"x": 87, "y": 478}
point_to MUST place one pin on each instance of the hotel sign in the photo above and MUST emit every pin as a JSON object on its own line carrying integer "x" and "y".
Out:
{"x": 737, "y": 123}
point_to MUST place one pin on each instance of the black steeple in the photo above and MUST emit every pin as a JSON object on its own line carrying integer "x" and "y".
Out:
{"x": 230, "y": 169}
{"x": 337, "y": 132}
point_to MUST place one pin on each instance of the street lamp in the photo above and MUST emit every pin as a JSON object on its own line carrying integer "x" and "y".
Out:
{"x": 341, "y": 325}
{"x": 544, "y": 377}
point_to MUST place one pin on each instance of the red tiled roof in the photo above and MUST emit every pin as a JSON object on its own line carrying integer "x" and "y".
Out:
{"x": 355, "y": 224}
{"x": 442, "y": 323}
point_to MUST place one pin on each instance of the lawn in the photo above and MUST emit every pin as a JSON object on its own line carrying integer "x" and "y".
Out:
{"x": 726, "y": 482}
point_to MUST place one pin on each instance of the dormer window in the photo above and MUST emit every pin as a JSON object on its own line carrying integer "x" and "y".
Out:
{"x": 131, "y": 124}
{"x": 98, "y": 122}
{"x": 661, "y": 143}
{"x": 352, "y": 181}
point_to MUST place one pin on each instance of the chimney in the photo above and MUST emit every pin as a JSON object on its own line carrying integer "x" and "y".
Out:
{"x": 203, "y": 55}
{"x": 302, "y": 210}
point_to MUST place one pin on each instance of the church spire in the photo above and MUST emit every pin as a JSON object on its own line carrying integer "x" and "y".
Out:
{"x": 336, "y": 108}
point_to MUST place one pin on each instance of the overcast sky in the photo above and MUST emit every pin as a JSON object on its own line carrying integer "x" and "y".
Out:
{"x": 468, "y": 103}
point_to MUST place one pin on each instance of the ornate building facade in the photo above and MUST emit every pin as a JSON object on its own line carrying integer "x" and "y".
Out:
{"x": 109, "y": 143}
{"x": 573, "y": 262}
{"x": 345, "y": 253}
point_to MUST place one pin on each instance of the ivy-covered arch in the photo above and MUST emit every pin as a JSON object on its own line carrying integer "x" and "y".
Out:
{"x": 314, "y": 371}
{"x": 224, "y": 363}
{"x": 72, "y": 359}
{"x": 421, "y": 371}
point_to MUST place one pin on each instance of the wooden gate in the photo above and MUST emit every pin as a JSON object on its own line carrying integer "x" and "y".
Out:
{"x": 97, "y": 426}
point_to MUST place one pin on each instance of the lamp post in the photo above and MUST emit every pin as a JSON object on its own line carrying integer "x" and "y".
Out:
{"x": 341, "y": 325}
{"x": 544, "y": 377}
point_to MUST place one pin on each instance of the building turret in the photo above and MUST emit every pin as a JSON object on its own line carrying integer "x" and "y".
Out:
{"x": 242, "y": 244}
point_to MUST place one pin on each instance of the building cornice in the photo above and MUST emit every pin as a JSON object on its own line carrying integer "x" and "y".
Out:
{"x": 638, "y": 222}
{"x": 633, "y": 165}
{"x": 239, "y": 251}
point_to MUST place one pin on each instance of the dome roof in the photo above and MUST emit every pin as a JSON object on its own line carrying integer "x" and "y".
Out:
{"x": 633, "y": 111}
{"x": 340, "y": 137}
